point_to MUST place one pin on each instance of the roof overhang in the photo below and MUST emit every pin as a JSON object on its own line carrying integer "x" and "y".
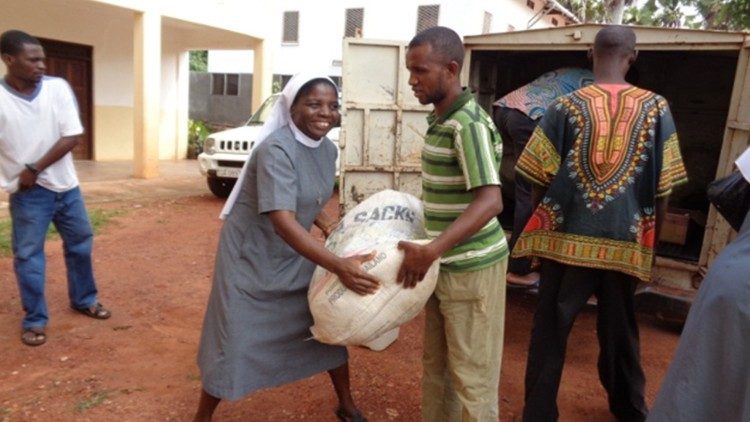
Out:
{"x": 581, "y": 37}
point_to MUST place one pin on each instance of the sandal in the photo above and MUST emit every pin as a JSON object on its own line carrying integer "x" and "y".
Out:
{"x": 345, "y": 417}
{"x": 34, "y": 336}
{"x": 97, "y": 311}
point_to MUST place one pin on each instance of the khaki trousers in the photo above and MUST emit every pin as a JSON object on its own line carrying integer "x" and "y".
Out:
{"x": 463, "y": 346}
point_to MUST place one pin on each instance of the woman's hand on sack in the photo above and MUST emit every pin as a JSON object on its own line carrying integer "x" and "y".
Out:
{"x": 417, "y": 260}
{"x": 354, "y": 277}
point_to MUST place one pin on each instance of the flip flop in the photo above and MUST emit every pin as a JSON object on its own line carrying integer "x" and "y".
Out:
{"x": 34, "y": 336}
{"x": 345, "y": 417}
{"x": 96, "y": 311}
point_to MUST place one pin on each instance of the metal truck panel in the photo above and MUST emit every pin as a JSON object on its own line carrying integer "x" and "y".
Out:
{"x": 383, "y": 124}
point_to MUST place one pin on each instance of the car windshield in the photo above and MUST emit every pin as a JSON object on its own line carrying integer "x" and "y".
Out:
{"x": 260, "y": 116}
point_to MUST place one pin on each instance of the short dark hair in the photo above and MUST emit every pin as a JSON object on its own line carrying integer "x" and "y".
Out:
{"x": 309, "y": 85}
{"x": 11, "y": 42}
{"x": 444, "y": 41}
{"x": 614, "y": 40}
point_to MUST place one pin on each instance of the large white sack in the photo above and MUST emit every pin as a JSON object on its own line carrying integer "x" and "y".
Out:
{"x": 376, "y": 225}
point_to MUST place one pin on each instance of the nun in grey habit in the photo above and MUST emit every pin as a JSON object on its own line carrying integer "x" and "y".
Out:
{"x": 709, "y": 378}
{"x": 256, "y": 329}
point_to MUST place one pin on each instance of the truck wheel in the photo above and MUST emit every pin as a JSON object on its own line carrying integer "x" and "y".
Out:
{"x": 220, "y": 186}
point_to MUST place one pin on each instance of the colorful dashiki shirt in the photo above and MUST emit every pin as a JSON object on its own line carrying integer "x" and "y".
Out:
{"x": 533, "y": 98}
{"x": 604, "y": 153}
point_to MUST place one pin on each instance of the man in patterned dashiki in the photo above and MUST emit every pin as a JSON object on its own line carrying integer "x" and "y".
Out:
{"x": 516, "y": 115}
{"x": 602, "y": 162}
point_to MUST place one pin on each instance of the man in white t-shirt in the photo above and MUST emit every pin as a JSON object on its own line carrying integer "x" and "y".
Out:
{"x": 39, "y": 126}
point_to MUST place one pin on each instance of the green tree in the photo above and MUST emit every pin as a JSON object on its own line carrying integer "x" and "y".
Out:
{"x": 589, "y": 11}
{"x": 199, "y": 61}
{"x": 643, "y": 15}
{"x": 738, "y": 14}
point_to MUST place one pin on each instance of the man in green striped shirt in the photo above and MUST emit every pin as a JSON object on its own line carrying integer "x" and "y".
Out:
{"x": 461, "y": 194}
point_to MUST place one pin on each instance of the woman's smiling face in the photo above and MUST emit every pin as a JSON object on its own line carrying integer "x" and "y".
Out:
{"x": 316, "y": 111}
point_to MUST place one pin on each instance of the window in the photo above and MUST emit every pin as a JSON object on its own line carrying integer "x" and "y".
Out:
{"x": 554, "y": 22}
{"x": 291, "y": 27}
{"x": 225, "y": 84}
{"x": 427, "y": 17}
{"x": 530, "y": 4}
{"x": 354, "y": 21}
{"x": 487, "y": 23}
{"x": 217, "y": 84}
{"x": 232, "y": 85}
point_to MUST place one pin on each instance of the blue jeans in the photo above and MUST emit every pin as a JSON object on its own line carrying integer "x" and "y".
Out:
{"x": 31, "y": 212}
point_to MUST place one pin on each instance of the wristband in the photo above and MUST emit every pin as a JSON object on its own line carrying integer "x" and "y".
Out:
{"x": 32, "y": 169}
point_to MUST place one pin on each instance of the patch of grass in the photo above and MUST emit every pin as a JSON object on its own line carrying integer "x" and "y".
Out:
{"x": 5, "y": 231}
{"x": 5, "y": 414}
{"x": 91, "y": 402}
{"x": 98, "y": 217}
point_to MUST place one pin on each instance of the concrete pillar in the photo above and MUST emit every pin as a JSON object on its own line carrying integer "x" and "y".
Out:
{"x": 183, "y": 100}
{"x": 262, "y": 74}
{"x": 147, "y": 84}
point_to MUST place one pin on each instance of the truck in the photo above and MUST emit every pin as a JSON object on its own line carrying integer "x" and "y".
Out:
{"x": 703, "y": 74}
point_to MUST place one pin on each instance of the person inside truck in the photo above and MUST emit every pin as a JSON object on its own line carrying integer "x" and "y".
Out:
{"x": 516, "y": 115}
{"x": 709, "y": 377}
{"x": 602, "y": 163}
{"x": 463, "y": 335}
{"x": 256, "y": 328}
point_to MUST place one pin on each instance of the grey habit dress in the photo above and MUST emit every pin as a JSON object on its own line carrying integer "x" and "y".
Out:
{"x": 709, "y": 378}
{"x": 256, "y": 328}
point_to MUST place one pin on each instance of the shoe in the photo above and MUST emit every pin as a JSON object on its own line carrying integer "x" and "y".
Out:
{"x": 345, "y": 417}
{"x": 34, "y": 336}
{"x": 97, "y": 311}
{"x": 522, "y": 281}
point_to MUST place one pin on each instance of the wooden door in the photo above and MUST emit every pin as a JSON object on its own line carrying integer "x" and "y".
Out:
{"x": 73, "y": 62}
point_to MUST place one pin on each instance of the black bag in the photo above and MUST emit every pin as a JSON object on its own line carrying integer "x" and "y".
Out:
{"x": 731, "y": 197}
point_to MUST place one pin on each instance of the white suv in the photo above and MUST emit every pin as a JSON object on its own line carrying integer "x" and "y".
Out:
{"x": 224, "y": 153}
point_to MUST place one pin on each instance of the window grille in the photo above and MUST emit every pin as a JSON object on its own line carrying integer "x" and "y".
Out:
{"x": 217, "y": 84}
{"x": 232, "y": 86}
{"x": 291, "y": 27}
{"x": 427, "y": 16}
{"x": 225, "y": 84}
{"x": 354, "y": 21}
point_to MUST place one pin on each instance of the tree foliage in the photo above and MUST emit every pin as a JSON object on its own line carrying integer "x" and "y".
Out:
{"x": 199, "y": 61}
{"x": 706, "y": 14}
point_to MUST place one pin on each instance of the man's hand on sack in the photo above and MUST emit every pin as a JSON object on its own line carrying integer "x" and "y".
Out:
{"x": 417, "y": 260}
{"x": 354, "y": 277}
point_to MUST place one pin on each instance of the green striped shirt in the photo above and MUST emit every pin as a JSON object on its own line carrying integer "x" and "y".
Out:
{"x": 461, "y": 152}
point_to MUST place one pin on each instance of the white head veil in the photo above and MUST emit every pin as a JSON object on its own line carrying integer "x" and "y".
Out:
{"x": 279, "y": 116}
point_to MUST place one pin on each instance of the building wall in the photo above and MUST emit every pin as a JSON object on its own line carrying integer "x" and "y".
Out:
{"x": 108, "y": 26}
{"x": 223, "y": 110}
{"x": 109, "y": 32}
{"x": 321, "y": 30}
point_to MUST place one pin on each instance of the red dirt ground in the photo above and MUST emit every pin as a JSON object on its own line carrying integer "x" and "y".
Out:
{"x": 154, "y": 263}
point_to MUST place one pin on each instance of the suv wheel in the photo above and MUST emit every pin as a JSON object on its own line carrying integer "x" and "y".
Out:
{"x": 220, "y": 186}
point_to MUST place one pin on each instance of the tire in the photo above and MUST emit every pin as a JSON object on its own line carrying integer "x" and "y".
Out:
{"x": 220, "y": 186}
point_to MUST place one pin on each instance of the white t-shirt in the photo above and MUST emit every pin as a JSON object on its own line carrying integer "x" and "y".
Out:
{"x": 30, "y": 126}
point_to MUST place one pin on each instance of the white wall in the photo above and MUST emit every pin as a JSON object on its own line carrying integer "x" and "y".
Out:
{"x": 321, "y": 29}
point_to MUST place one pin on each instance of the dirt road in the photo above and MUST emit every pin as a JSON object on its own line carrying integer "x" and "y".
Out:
{"x": 154, "y": 263}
